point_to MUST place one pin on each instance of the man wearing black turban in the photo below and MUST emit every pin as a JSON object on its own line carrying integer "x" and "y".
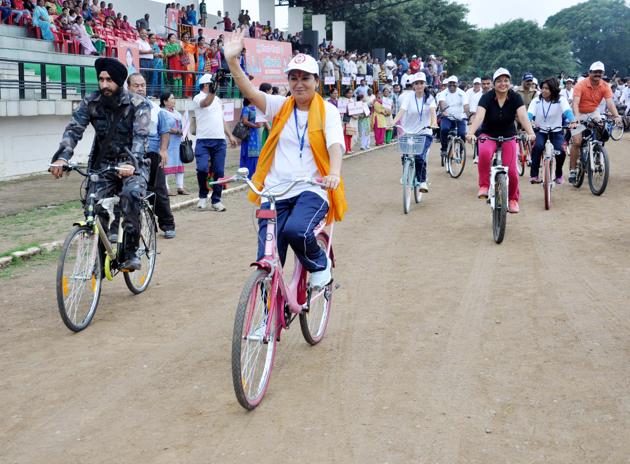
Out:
{"x": 121, "y": 123}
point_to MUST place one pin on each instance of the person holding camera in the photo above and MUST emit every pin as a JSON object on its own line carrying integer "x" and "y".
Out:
{"x": 210, "y": 148}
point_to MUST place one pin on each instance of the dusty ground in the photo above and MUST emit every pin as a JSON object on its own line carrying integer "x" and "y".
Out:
{"x": 443, "y": 347}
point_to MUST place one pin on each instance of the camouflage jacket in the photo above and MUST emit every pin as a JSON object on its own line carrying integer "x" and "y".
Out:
{"x": 131, "y": 132}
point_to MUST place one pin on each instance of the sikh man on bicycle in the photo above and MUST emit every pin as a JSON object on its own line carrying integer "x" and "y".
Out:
{"x": 121, "y": 122}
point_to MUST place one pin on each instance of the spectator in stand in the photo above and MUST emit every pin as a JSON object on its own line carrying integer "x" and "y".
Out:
{"x": 379, "y": 119}
{"x": 212, "y": 59}
{"x": 350, "y": 123}
{"x": 192, "y": 15}
{"x": 362, "y": 89}
{"x": 172, "y": 62}
{"x": 79, "y": 31}
{"x": 406, "y": 78}
{"x": 97, "y": 41}
{"x": 390, "y": 67}
{"x": 200, "y": 59}
{"x": 250, "y": 147}
{"x": 187, "y": 59}
{"x": 240, "y": 19}
{"x": 7, "y": 10}
{"x": 210, "y": 147}
{"x": 143, "y": 23}
{"x": 403, "y": 62}
{"x": 364, "y": 123}
{"x": 219, "y": 23}
{"x": 244, "y": 61}
{"x": 388, "y": 105}
{"x": 203, "y": 13}
{"x": 158, "y": 65}
{"x": 145, "y": 49}
{"x": 228, "y": 26}
{"x": 63, "y": 22}
{"x": 109, "y": 11}
{"x": 414, "y": 65}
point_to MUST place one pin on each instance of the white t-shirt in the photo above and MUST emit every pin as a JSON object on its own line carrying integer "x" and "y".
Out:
{"x": 287, "y": 163}
{"x": 455, "y": 102}
{"x": 568, "y": 94}
{"x": 473, "y": 99}
{"x": 548, "y": 115}
{"x": 390, "y": 66}
{"x": 412, "y": 122}
{"x": 145, "y": 49}
{"x": 209, "y": 119}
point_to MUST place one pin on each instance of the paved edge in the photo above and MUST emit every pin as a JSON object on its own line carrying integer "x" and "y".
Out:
{"x": 49, "y": 247}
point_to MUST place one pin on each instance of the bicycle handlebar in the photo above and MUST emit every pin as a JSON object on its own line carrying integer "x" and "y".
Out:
{"x": 85, "y": 173}
{"x": 242, "y": 176}
{"x": 483, "y": 138}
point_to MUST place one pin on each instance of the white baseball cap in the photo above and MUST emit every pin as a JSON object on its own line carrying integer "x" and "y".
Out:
{"x": 419, "y": 76}
{"x": 453, "y": 80}
{"x": 205, "y": 79}
{"x": 501, "y": 72}
{"x": 302, "y": 62}
{"x": 413, "y": 56}
{"x": 569, "y": 79}
{"x": 597, "y": 66}
{"x": 477, "y": 80}
{"x": 389, "y": 54}
{"x": 535, "y": 81}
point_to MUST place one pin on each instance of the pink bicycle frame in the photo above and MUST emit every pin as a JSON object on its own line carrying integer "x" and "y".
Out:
{"x": 293, "y": 294}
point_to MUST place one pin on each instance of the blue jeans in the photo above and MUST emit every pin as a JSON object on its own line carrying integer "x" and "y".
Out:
{"x": 445, "y": 127}
{"x": 296, "y": 220}
{"x": 556, "y": 138}
{"x": 210, "y": 158}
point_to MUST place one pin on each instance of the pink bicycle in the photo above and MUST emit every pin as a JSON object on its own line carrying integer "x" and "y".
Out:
{"x": 269, "y": 304}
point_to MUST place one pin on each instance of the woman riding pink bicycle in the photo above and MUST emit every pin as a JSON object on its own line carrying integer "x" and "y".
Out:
{"x": 496, "y": 113}
{"x": 306, "y": 140}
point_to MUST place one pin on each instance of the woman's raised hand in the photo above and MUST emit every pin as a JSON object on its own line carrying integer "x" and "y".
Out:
{"x": 233, "y": 46}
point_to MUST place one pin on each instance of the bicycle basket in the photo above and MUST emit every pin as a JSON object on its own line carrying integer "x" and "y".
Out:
{"x": 412, "y": 144}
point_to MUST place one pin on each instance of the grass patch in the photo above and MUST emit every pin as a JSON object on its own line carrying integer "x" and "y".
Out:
{"x": 20, "y": 267}
{"x": 20, "y": 248}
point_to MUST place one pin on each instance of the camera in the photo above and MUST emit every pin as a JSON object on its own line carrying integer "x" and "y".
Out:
{"x": 219, "y": 79}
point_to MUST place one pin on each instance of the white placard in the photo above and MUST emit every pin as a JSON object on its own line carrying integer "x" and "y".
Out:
{"x": 346, "y": 80}
{"x": 228, "y": 111}
{"x": 355, "y": 108}
{"x": 342, "y": 105}
{"x": 366, "y": 109}
{"x": 369, "y": 80}
{"x": 329, "y": 80}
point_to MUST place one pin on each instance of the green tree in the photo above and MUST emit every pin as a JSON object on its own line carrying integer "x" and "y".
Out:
{"x": 415, "y": 28}
{"x": 599, "y": 30}
{"x": 522, "y": 46}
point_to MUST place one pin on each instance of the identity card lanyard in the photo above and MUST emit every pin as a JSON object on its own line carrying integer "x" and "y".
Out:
{"x": 548, "y": 109}
{"x": 297, "y": 129}
{"x": 419, "y": 112}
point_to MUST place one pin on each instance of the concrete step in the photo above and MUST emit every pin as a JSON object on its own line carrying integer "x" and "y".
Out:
{"x": 21, "y": 43}
{"x": 13, "y": 31}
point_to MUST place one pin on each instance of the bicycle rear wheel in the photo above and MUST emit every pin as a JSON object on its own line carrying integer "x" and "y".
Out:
{"x": 547, "y": 182}
{"x": 79, "y": 278}
{"x": 252, "y": 352}
{"x": 138, "y": 281}
{"x": 456, "y": 158}
{"x": 314, "y": 321}
{"x": 499, "y": 213}
{"x": 407, "y": 178}
{"x": 522, "y": 159}
{"x": 598, "y": 177}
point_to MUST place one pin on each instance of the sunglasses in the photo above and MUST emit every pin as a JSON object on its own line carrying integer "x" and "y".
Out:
{"x": 597, "y": 73}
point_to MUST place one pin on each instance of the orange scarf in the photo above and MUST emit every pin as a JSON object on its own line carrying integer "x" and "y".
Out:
{"x": 317, "y": 139}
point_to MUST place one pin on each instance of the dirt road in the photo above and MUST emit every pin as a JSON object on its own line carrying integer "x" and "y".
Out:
{"x": 443, "y": 347}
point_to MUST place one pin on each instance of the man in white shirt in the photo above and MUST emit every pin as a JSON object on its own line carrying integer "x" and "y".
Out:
{"x": 211, "y": 146}
{"x": 474, "y": 95}
{"x": 146, "y": 54}
{"x": 406, "y": 79}
{"x": 390, "y": 66}
{"x": 567, "y": 92}
{"x": 352, "y": 67}
{"x": 361, "y": 89}
{"x": 454, "y": 104}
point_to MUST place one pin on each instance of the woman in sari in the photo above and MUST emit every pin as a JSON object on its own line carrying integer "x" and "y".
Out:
{"x": 202, "y": 48}
{"x": 174, "y": 166}
{"x": 172, "y": 52}
{"x": 188, "y": 62}
{"x": 250, "y": 147}
{"x": 41, "y": 19}
{"x": 99, "y": 43}
{"x": 379, "y": 119}
{"x": 79, "y": 31}
{"x": 213, "y": 59}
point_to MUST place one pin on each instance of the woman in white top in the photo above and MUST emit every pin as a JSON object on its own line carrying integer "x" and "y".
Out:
{"x": 547, "y": 111}
{"x": 306, "y": 140}
{"x": 417, "y": 115}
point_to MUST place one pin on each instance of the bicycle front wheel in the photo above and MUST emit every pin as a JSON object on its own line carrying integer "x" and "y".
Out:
{"x": 616, "y": 132}
{"x": 314, "y": 321}
{"x": 253, "y": 351}
{"x": 456, "y": 158}
{"x": 522, "y": 159}
{"x": 598, "y": 176}
{"x": 547, "y": 183}
{"x": 79, "y": 278}
{"x": 499, "y": 213}
{"x": 138, "y": 281}
{"x": 407, "y": 181}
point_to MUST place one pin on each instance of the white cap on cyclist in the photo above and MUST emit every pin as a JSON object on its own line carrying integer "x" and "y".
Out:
{"x": 205, "y": 79}
{"x": 453, "y": 80}
{"x": 501, "y": 72}
{"x": 302, "y": 62}
{"x": 477, "y": 80}
{"x": 569, "y": 79}
{"x": 535, "y": 81}
{"x": 597, "y": 66}
{"x": 417, "y": 77}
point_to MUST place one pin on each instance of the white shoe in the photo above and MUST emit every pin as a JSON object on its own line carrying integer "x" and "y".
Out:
{"x": 218, "y": 207}
{"x": 201, "y": 204}
{"x": 476, "y": 161}
{"x": 322, "y": 278}
{"x": 424, "y": 188}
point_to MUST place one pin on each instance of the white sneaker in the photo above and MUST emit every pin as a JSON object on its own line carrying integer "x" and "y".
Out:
{"x": 201, "y": 204}
{"x": 424, "y": 188}
{"x": 322, "y": 278}
{"x": 476, "y": 161}
{"x": 218, "y": 207}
